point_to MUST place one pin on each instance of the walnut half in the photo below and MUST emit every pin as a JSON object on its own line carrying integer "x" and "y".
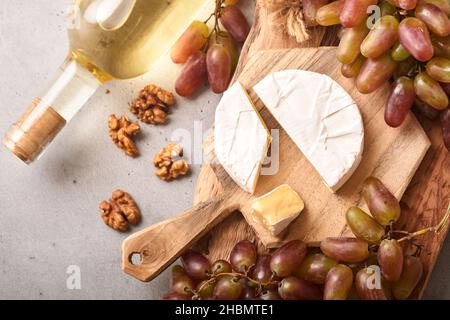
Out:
{"x": 170, "y": 163}
{"x": 121, "y": 131}
{"x": 120, "y": 211}
{"x": 152, "y": 105}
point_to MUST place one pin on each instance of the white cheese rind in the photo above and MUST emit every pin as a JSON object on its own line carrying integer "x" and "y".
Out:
{"x": 320, "y": 117}
{"x": 241, "y": 139}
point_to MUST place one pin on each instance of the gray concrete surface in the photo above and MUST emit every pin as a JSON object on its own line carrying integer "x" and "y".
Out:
{"x": 48, "y": 211}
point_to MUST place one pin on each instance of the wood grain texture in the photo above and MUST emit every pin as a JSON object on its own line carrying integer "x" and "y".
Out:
{"x": 160, "y": 244}
{"x": 424, "y": 201}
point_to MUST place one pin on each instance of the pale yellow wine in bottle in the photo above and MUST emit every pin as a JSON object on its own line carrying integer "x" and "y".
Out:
{"x": 109, "y": 39}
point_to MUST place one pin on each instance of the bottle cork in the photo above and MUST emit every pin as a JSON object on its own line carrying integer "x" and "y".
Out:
{"x": 37, "y": 127}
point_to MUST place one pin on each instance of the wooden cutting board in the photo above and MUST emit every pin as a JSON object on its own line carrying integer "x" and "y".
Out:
{"x": 392, "y": 155}
{"x": 423, "y": 203}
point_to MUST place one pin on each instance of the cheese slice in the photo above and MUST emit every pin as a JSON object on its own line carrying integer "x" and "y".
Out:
{"x": 320, "y": 117}
{"x": 241, "y": 139}
{"x": 277, "y": 209}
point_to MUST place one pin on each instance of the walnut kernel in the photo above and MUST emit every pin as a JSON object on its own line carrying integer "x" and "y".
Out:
{"x": 120, "y": 211}
{"x": 169, "y": 163}
{"x": 152, "y": 105}
{"x": 121, "y": 131}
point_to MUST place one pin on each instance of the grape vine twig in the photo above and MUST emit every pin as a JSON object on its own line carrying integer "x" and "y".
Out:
{"x": 436, "y": 229}
{"x": 245, "y": 275}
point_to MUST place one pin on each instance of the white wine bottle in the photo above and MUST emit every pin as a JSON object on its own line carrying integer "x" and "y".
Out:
{"x": 109, "y": 39}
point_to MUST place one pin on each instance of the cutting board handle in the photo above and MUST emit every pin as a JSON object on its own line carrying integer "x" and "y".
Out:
{"x": 148, "y": 252}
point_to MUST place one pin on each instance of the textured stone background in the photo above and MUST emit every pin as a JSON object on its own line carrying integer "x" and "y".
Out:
{"x": 48, "y": 211}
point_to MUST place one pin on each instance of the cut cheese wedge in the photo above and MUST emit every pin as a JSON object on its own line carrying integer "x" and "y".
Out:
{"x": 320, "y": 117}
{"x": 277, "y": 209}
{"x": 241, "y": 139}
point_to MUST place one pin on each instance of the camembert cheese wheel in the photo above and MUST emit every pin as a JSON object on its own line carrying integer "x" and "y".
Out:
{"x": 320, "y": 117}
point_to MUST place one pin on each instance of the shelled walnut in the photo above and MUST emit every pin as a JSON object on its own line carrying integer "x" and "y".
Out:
{"x": 120, "y": 211}
{"x": 121, "y": 131}
{"x": 152, "y": 105}
{"x": 170, "y": 163}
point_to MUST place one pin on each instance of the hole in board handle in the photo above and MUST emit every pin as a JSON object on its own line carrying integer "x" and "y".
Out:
{"x": 135, "y": 258}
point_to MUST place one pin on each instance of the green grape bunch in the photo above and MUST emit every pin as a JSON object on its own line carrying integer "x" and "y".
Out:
{"x": 406, "y": 42}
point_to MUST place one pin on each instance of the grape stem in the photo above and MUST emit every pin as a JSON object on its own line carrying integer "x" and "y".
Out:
{"x": 216, "y": 14}
{"x": 436, "y": 229}
{"x": 235, "y": 275}
{"x": 209, "y": 18}
{"x": 399, "y": 231}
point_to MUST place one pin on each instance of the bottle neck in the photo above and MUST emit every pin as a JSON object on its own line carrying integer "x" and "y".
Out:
{"x": 44, "y": 119}
{"x": 71, "y": 89}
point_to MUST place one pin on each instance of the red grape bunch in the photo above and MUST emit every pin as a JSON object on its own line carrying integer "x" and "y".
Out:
{"x": 210, "y": 55}
{"x": 340, "y": 268}
{"x": 409, "y": 43}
